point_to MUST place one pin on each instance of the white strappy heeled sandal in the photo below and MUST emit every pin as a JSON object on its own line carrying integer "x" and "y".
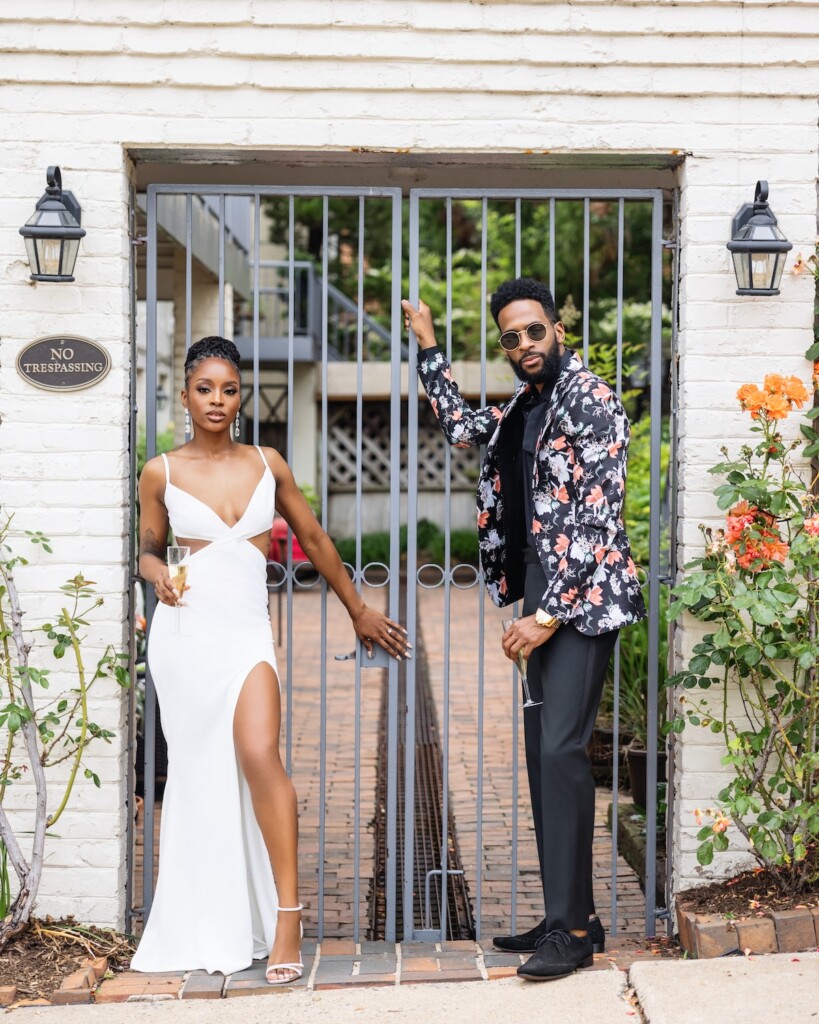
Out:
{"x": 296, "y": 969}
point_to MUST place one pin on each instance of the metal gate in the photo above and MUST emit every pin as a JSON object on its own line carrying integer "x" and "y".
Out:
{"x": 397, "y": 840}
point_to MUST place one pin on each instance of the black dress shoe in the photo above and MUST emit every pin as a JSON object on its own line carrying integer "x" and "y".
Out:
{"x": 558, "y": 955}
{"x": 527, "y": 941}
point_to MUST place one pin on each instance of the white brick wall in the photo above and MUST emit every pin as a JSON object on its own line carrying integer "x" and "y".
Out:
{"x": 730, "y": 85}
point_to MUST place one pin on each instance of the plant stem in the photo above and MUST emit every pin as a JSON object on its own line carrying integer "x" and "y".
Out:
{"x": 75, "y": 645}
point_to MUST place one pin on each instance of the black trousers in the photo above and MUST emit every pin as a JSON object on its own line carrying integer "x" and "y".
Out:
{"x": 567, "y": 673}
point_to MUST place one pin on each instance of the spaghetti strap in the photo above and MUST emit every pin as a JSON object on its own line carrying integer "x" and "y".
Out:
{"x": 261, "y": 455}
{"x": 167, "y": 468}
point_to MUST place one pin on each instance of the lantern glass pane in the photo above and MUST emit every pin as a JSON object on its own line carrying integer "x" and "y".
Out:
{"x": 762, "y": 268}
{"x": 70, "y": 248}
{"x": 777, "y": 273}
{"x": 742, "y": 269}
{"x": 31, "y": 249}
{"x": 48, "y": 252}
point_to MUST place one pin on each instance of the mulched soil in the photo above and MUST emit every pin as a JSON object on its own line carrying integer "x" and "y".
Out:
{"x": 39, "y": 959}
{"x": 751, "y": 894}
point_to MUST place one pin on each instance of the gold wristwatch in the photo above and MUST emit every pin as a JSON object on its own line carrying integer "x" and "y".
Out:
{"x": 549, "y": 621}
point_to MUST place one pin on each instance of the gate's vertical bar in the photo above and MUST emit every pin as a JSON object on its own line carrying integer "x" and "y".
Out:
{"x": 131, "y": 567}
{"x": 654, "y": 558}
{"x": 222, "y": 264}
{"x": 552, "y": 246}
{"x": 412, "y": 515}
{"x": 395, "y": 562}
{"x": 291, "y": 314}
{"x": 325, "y": 235}
{"x": 481, "y": 605}
{"x": 586, "y": 260}
{"x": 615, "y": 755}
{"x": 257, "y": 219}
{"x": 515, "y": 719}
{"x": 359, "y": 472}
{"x": 517, "y": 237}
{"x": 447, "y": 582}
{"x": 149, "y": 719}
{"x": 672, "y": 535}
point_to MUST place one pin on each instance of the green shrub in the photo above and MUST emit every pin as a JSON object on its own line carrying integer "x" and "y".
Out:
{"x": 375, "y": 547}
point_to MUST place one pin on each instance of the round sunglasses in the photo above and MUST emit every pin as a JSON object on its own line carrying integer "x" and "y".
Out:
{"x": 510, "y": 340}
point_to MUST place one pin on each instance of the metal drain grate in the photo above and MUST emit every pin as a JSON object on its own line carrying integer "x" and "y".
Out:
{"x": 428, "y": 820}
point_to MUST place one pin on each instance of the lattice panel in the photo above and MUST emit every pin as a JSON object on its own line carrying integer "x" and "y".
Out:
{"x": 429, "y": 451}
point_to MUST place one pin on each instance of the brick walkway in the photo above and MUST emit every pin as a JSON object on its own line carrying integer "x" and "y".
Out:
{"x": 339, "y": 963}
{"x": 500, "y": 699}
{"x": 340, "y": 960}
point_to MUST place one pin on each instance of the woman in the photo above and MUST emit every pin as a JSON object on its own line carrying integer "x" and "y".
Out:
{"x": 229, "y": 812}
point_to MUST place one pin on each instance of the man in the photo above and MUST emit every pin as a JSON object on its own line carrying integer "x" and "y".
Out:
{"x": 550, "y": 499}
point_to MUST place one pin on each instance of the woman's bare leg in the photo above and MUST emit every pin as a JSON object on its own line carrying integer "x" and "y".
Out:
{"x": 256, "y": 725}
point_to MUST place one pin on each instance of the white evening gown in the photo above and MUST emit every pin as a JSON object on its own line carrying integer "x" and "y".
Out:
{"x": 215, "y": 905}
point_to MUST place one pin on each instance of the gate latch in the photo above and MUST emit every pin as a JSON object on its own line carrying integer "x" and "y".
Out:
{"x": 380, "y": 658}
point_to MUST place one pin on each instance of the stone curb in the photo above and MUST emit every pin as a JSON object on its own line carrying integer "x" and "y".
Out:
{"x": 705, "y": 936}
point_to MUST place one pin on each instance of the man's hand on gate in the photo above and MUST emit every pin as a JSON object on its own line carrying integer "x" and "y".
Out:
{"x": 525, "y": 635}
{"x": 420, "y": 320}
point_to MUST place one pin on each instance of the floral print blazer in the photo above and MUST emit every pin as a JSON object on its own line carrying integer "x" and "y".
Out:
{"x": 578, "y": 491}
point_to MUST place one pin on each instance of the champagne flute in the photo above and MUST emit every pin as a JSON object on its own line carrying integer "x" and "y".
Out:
{"x": 178, "y": 570}
{"x": 523, "y": 668}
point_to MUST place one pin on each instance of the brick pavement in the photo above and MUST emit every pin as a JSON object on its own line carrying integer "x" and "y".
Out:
{"x": 496, "y": 889}
{"x": 501, "y": 697}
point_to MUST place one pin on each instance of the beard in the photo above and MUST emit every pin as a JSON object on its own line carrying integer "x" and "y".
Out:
{"x": 547, "y": 374}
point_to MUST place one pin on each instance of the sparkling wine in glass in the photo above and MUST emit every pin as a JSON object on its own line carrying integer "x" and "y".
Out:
{"x": 178, "y": 571}
{"x": 523, "y": 668}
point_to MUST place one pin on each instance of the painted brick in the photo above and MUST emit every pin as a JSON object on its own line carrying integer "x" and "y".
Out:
{"x": 321, "y": 87}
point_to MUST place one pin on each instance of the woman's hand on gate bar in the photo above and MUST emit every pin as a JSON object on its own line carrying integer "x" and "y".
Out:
{"x": 525, "y": 635}
{"x": 373, "y": 626}
{"x": 420, "y": 320}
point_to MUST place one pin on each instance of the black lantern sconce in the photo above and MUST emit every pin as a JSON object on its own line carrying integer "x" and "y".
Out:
{"x": 757, "y": 246}
{"x": 53, "y": 234}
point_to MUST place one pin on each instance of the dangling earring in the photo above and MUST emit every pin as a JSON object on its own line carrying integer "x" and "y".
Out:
{"x": 188, "y": 431}
{"x": 237, "y": 426}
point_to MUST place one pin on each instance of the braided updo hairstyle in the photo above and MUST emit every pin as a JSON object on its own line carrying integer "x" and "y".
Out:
{"x": 212, "y": 347}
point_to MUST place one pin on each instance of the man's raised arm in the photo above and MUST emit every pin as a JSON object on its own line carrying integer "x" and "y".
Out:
{"x": 462, "y": 425}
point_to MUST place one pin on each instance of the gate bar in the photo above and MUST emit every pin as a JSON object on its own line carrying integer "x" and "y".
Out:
{"x": 149, "y": 721}
{"x": 359, "y": 472}
{"x": 393, "y": 853}
{"x": 654, "y": 560}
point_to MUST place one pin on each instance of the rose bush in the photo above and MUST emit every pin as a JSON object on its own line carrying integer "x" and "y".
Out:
{"x": 757, "y": 586}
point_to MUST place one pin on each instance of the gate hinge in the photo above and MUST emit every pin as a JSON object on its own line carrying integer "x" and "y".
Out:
{"x": 139, "y": 240}
{"x": 669, "y": 243}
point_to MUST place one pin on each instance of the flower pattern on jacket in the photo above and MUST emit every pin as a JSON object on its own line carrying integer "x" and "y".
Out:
{"x": 578, "y": 491}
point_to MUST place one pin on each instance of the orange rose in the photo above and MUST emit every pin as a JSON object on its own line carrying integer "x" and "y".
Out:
{"x": 777, "y": 406}
{"x": 751, "y": 399}
{"x": 774, "y": 382}
{"x": 796, "y": 391}
{"x": 812, "y": 525}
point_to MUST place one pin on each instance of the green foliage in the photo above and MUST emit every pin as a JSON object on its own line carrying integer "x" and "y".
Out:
{"x": 633, "y": 708}
{"x": 468, "y": 230}
{"x": 56, "y": 726}
{"x": 164, "y": 443}
{"x": 638, "y": 487}
{"x": 757, "y": 587}
{"x": 375, "y": 547}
